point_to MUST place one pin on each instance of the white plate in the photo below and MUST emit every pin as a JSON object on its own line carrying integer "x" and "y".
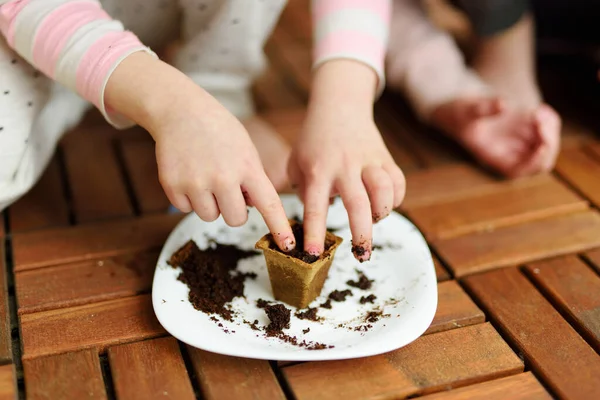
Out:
{"x": 402, "y": 270}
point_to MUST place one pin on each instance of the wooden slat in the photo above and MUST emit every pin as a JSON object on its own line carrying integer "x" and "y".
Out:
{"x": 5, "y": 338}
{"x": 94, "y": 325}
{"x": 224, "y": 377}
{"x": 85, "y": 282}
{"x": 594, "y": 258}
{"x": 508, "y": 203}
{"x": 97, "y": 187}
{"x": 444, "y": 183}
{"x": 91, "y": 241}
{"x": 2, "y": 225}
{"x": 66, "y": 376}
{"x": 140, "y": 162}
{"x": 8, "y": 382}
{"x": 521, "y": 243}
{"x": 44, "y": 206}
{"x": 582, "y": 171}
{"x": 440, "y": 271}
{"x": 553, "y": 349}
{"x": 517, "y": 387}
{"x": 430, "y": 147}
{"x": 402, "y": 155}
{"x": 432, "y": 363}
{"x": 575, "y": 290}
{"x": 152, "y": 369}
{"x": 455, "y": 309}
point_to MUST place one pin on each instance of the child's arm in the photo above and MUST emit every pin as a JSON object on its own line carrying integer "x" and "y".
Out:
{"x": 206, "y": 160}
{"x": 341, "y": 150}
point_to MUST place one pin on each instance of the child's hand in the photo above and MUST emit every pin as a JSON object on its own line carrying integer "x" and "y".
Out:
{"x": 341, "y": 152}
{"x": 206, "y": 160}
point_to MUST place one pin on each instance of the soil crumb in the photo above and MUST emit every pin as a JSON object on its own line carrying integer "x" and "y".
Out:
{"x": 340, "y": 295}
{"x": 362, "y": 283}
{"x": 368, "y": 299}
{"x": 309, "y": 314}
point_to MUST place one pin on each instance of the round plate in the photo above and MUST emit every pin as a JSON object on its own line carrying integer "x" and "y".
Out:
{"x": 401, "y": 267}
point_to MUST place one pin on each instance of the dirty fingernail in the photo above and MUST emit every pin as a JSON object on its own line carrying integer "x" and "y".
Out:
{"x": 313, "y": 250}
{"x": 288, "y": 244}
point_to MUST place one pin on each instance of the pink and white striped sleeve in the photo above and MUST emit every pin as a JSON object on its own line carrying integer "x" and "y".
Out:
{"x": 74, "y": 42}
{"x": 352, "y": 29}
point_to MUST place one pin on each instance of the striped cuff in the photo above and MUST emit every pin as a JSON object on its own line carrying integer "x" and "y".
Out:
{"x": 352, "y": 29}
{"x": 74, "y": 42}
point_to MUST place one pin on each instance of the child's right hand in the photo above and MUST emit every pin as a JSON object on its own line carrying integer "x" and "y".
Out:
{"x": 206, "y": 160}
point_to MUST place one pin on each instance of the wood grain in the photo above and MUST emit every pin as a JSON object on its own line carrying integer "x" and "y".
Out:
{"x": 140, "y": 163}
{"x": 85, "y": 282}
{"x": 224, "y": 377}
{"x": 5, "y": 329}
{"x": 582, "y": 171}
{"x": 508, "y": 203}
{"x": 443, "y": 184}
{"x": 553, "y": 349}
{"x": 91, "y": 241}
{"x": 95, "y": 325}
{"x": 574, "y": 289}
{"x": 8, "y": 382}
{"x": 441, "y": 272}
{"x": 66, "y": 376}
{"x": 432, "y": 363}
{"x": 152, "y": 369}
{"x": 520, "y": 243}
{"x": 517, "y": 387}
{"x": 455, "y": 309}
{"x": 98, "y": 189}
{"x": 594, "y": 258}
{"x": 44, "y": 206}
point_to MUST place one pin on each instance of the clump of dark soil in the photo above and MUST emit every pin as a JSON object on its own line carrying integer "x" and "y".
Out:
{"x": 326, "y": 305}
{"x": 340, "y": 295}
{"x": 211, "y": 275}
{"x": 279, "y": 317}
{"x": 368, "y": 299}
{"x": 362, "y": 283}
{"x": 309, "y": 314}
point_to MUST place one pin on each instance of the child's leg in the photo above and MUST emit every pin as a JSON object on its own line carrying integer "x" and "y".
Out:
{"x": 34, "y": 113}
{"x": 427, "y": 65}
{"x": 505, "y": 53}
{"x": 222, "y": 51}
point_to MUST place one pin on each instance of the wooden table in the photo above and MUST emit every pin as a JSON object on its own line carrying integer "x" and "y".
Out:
{"x": 518, "y": 266}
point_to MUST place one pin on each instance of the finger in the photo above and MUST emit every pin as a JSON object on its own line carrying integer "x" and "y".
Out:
{"x": 549, "y": 123}
{"x": 356, "y": 201}
{"x": 380, "y": 190}
{"x": 179, "y": 200}
{"x": 232, "y": 204}
{"x": 487, "y": 107}
{"x": 266, "y": 200}
{"x": 533, "y": 157}
{"x": 205, "y": 205}
{"x": 399, "y": 182}
{"x": 316, "y": 204}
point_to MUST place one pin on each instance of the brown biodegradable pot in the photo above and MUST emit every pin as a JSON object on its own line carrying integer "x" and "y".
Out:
{"x": 294, "y": 281}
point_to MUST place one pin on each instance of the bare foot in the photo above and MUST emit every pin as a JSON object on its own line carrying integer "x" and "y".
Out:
{"x": 273, "y": 150}
{"x": 510, "y": 140}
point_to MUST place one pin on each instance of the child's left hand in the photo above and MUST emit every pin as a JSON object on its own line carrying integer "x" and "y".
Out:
{"x": 341, "y": 152}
